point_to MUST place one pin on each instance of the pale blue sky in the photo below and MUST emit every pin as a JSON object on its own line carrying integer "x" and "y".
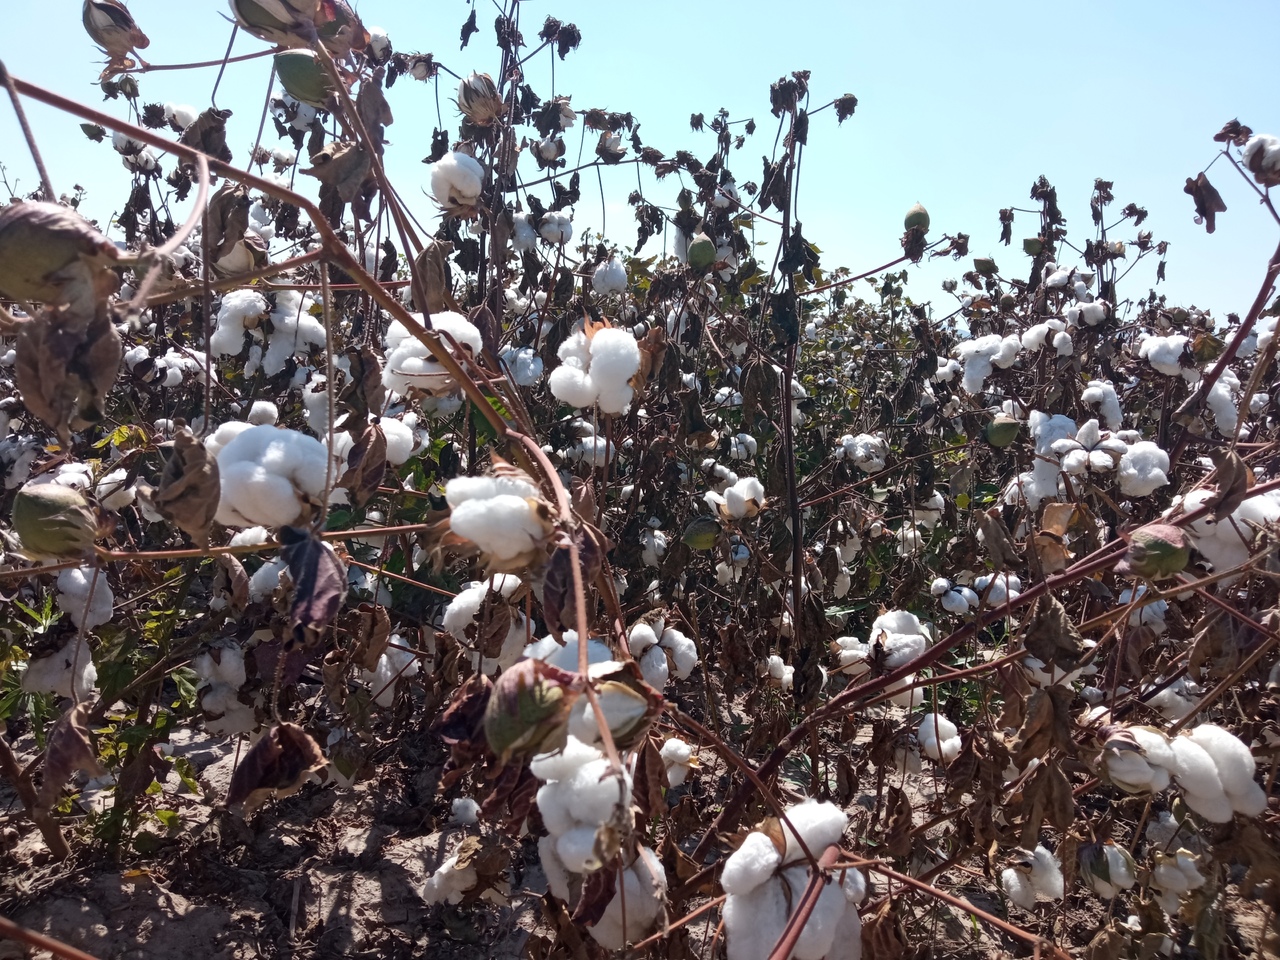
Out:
{"x": 961, "y": 106}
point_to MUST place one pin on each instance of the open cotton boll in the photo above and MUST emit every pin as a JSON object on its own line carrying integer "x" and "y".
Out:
{"x": 1102, "y": 393}
{"x": 1236, "y": 768}
{"x": 744, "y": 498}
{"x": 393, "y": 666}
{"x": 456, "y": 181}
{"x": 411, "y": 366}
{"x": 462, "y": 614}
{"x": 561, "y": 765}
{"x": 565, "y": 656}
{"x": 755, "y": 919}
{"x": 635, "y": 908}
{"x": 753, "y": 863}
{"x": 222, "y": 663}
{"x": 869, "y": 452}
{"x": 819, "y": 931}
{"x": 939, "y": 738}
{"x": 653, "y": 547}
{"x": 465, "y": 810}
{"x": 267, "y": 475}
{"x": 240, "y": 310}
{"x": 75, "y": 586}
{"x": 597, "y": 370}
{"x": 1017, "y": 887}
{"x": 294, "y": 329}
{"x": 450, "y": 883}
{"x": 1143, "y": 469}
{"x": 677, "y": 760}
{"x": 1262, "y": 158}
{"x": 265, "y": 580}
{"x": 1165, "y": 355}
{"x": 610, "y": 277}
{"x": 818, "y": 823}
{"x": 1198, "y": 776}
{"x": 557, "y": 228}
{"x": 525, "y": 365}
{"x": 68, "y": 672}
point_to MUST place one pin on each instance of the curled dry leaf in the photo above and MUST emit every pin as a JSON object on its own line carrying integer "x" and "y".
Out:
{"x": 433, "y": 278}
{"x": 189, "y": 489}
{"x": 1052, "y": 638}
{"x": 227, "y": 219}
{"x": 235, "y": 580}
{"x": 366, "y": 465}
{"x": 208, "y": 134}
{"x": 319, "y": 581}
{"x": 1234, "y": 480}
{"x": 65, "y": 369}
{"x": 51, "y": 254}
{"x": 276, "y": 766}
{"x": 69, "y": 750}
{"x": 1207, "y": 200}
{"x": 363, "y": 392}
{"x": 1047, "y": 725}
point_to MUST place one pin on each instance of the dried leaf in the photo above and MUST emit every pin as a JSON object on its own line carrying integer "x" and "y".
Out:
{"x": 370, "y": 626}
{"x": 276, "y": 766}
{"x": 189, "y": 488}
{"x": 237, "y": 581}
{"x": 1047, "y": 725}
{"x": 342, "y": 166}
{"x": 1207, "y": 200}
{"x": 1052, "y": 638}
{"x": 208, "y": 134}
{"x": 432, "y": 276}
{"x": 883, "y": 936}
{"x": 1234, "y": 479}
{"x": 997, "y": 540}
{"x": 319, "y": 581}
{"x": 897, "y": 838}
{"x": 69, "y": 750}
{"x": 650, "y": 781}
{"x": 366, "y": 465}
{"x": 227, "y": 218}
{"x": 362, "y": 393}
{"x": 598, "y": 891}
{"x": 65, "y": 368}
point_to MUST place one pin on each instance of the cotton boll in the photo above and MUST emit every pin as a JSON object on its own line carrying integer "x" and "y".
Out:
{"x": 677, "y": 759}
{"x": 1236, "y": 768}
{"x": 1018, "y": 888}
{"x": 265, "y": 580}
{"x": 565, "y": 656}
{"x": 819, "y": 931}
{"x": 263, "y": 412}
{"x": 1102, "y": 393}
{"x": 754, "y": 921}
{"x": 410, "y": 365}
{"x": 68, "y": 672}
{"x": 556, "y": 229}
{"x": 576, "y": 850}
{"x": 78, "y": 588}
{"x": 565, "y": 763}
{"x": 240, "y": 310}
{"x": 939, "y": 738}
{"x": 610, "y": 277}
{"x": 525, "y": 365}
{"x": 634, "y": 909}
{"x": 818, "y": 823}
{"x": 267, "y": 475}
{"x": 505, "y": 527}
{"x": 1046, "y": 874}
{"x": 753, "y": 863}
{"x": 456, "y": 181}
{"x": 1165, "y": 354}
{"x": 222, "y": 663}
{"x": 450, "y": 883}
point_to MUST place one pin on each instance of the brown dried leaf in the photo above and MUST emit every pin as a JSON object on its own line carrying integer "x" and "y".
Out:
{"x": 319, "y": 581}
{"x": 598, "y": 891}
{"x": 490, "y": 859}
{"x": 65, "y": 369}
{"x": 370, "y": 625}
{"x": 227, "y": 218}
{"x": 1047, "y": 725}
{"x": 341, "y": 167}
{"x": 276, "y": 766}
{"x": 649, "y": 781}
{"x": 208, "y": 134}
{"x": 997, "y": 540}
{"x": 362, "y": 393}
{"x": 237, "y": 581}
{"x": 1207, "y": 200}
{"x": 883, "y": 936}
{"x": 189, "y": 488}
{"x": 366, "y": 465}
{"x": 1234, "y": 479}
{"x": 68, "y": 750}
{"x": 431, "y": 271}
{"x": 653, "y": 348}
{"x": 1051, "y": 637}
{"x": 897, "y": 838}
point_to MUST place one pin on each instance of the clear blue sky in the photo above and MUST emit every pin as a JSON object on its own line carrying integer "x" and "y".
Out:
{"x": 961, "y": 106}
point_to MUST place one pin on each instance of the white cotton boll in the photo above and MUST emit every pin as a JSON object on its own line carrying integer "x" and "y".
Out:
{"x": 1216, "y": 807}
{"x": 112, "y": 491}
{"x": 947, "y": 370}
{"x": 294, "y": 330}
{"x": 751, "y": 865}
{"x": 819, "y": 931}
{"x": 1102, "y": 393}
{"x": 267, "y": 474}
{"x": 181, "y": 115}
{"x": 754, "y": 920}
{"x": 401, "y": 441}
{"x": 410, "y": 366}
{"x": 614, "y": 354}
{"x": 576, "y": 849}
{"x": 742, "y": 447}
{"x": 1046, "y": 874}
{"x": 558, "y": 878}
{"x": 640, "y": 638}
{"x": 457, "y": 180}
{"x": 654, "y": 668}
{"x": 634, "y": 909}
{"x": 379, "y": 42}
{"x": 66, "y": 671}
{"x": 1131, "y": 772}
{"x": 869, "y": 452}
{"x": 939, "y": 738}
{"x": 251, "y": 536}
{"x": 621, "y": 711}
{"x": 525, "y": 365}
{"x": 610, "y": 277}
{"x": 683, "y": 651}
{"x": 505, "y": 527}
{"x": 565, "y": 763}
{"x": 449, "y": 883}
{"x": 265, "y": 580}
{"x": 239, "y": 310}
{"x": 1120, "y": 868}
{"x": 223, "y": 664}
{"x": 1236, "y": 767}
{"x": 556, "y": 229}
{"x": 1017, "y": 887}
{"x": 1143, "y": 469}
{"x": 263, "y": 412}
{"x": 565, "y": 656}
{"x": 1223, "y": 401}
{"x": 523, "y": 237}
{"x": 1262, "y": 158}
{"x": 1165, "y": 353}
{"x": 744, "y": 498}
{"x": 1196, "y": 771}
{"x": 75, "y": 586}
{"x": 677, "y": 760}
{"x": 818, "y": 823}
{"x": 465, "y": 810}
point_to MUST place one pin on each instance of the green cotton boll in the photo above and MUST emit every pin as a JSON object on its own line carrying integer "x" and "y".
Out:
{"x": 1002, "y": 431}
{"x": 917, "y": 216}
{"x": 53, "y": 522}
{"x": 277, "y": 21}
{"x": 303, "y": 77}
{"x": 701, "y": 533}
{"x": 702, "y": 253}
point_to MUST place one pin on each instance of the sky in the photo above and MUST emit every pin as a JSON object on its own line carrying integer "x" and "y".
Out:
{"x": 960, "y": 107}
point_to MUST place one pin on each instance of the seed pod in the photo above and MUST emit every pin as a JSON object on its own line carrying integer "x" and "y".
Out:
{"x": 51, "y": 254}
{"x": 1156, "y": 551}
{"x": 917, "y": 216}
{"x": 1002, "y": 431}
{"x": 528, "y": 711}
{"x": 289, "y": 23}
{"x": 111, "y": 26}
{"x": 53, "y": 522}
{"x": 303, "y": 77}
{"x": 701, "y": 533}
{"x": 479, "y": 100}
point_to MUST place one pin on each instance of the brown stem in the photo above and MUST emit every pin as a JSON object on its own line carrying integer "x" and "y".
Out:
{"x": 11, "y": 931}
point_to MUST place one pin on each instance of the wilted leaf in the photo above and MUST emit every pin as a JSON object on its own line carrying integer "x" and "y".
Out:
{"x": 1052, "y": 638}
{"x": 883, "y": 936}
{"x": 237, "y": 581}
{"x": 69, "y": 750}
{"x": 227, "y": 218}
{"x": 598, "y": 890}
{"x": 65, "y": 370}
{"x": 1207, "y": 200}
{"x": 997, "y": 541}
{"x": 366, "y": 465}
{"x": 319, "y": 581}
{"x": 1234, "y": 479}
{"x": 362, "y": 393}
{"x": 208, "y": 134}
{"x": 897, "y": 837}
{"x": 276, "y": 766}
{"x": 189, "y": 488}
{"x": 1047, "y": 725}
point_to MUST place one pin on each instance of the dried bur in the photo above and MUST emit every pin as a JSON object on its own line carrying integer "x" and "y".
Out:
{"x": 69, "y": 751}
{"x": 276, "y": 766}
{"x": 189, "y": 489}
{"x": 68, "y": 355}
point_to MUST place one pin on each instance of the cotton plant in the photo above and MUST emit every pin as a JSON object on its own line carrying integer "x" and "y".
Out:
{"x": 1033, "y": 875}
{"x": 1213, "y": 769}
{"x": 869, "y": 452}
{"x": 596, "y": 369}
{"x": 411, "y": 369}
{"x": 764, "y": 884}
{"x": 660, "y": 648}
{"x": 464, "y": 619}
